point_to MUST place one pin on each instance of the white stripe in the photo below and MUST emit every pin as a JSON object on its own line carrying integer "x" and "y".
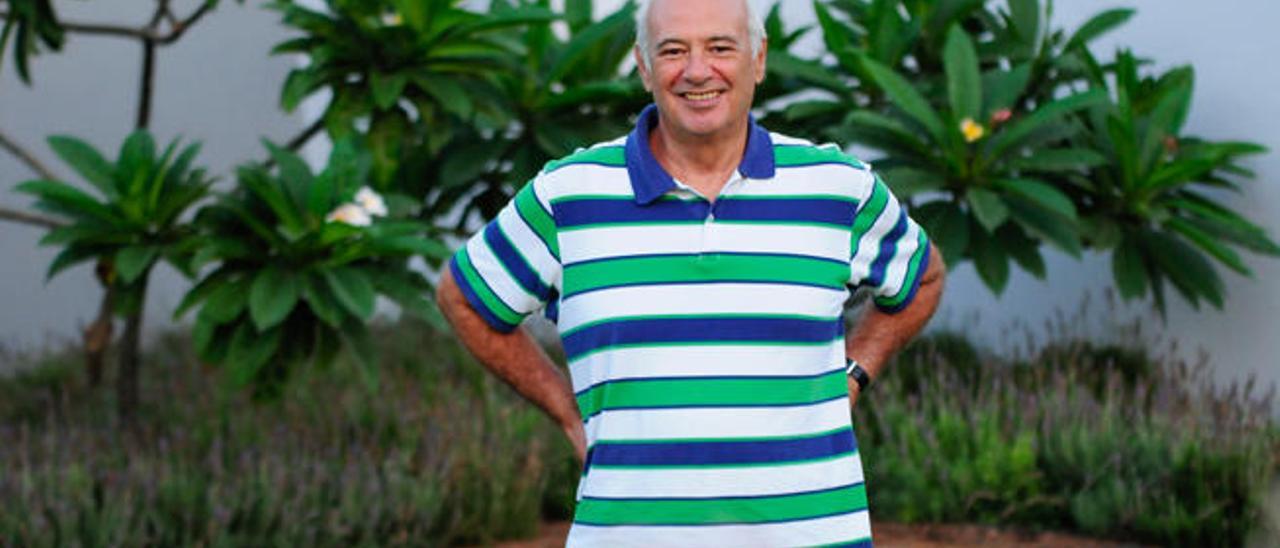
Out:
{"x": 620, "y": 241}
{"x": 896, "y": 273}
{"x": 829, "y": 530}
{"x": 717, "y": 422}
{"x": 832, "y": 179}
{"x": 869, "y": 244}
{"x": 527, "y": 242}
{"x": 588, "y": 179}
{"x": 722, "y": 482}
{"x": 705, "y": 361}
{"x": 503, "y": 285}
{"x": 675, "y": 300}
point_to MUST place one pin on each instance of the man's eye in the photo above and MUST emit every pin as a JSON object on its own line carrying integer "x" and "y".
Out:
{"x": 669, "y": 52}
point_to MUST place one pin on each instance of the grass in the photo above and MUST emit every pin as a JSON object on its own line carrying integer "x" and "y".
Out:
{"x": 1092, "y": 437}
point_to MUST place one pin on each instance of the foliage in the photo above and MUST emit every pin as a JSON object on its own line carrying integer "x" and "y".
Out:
{"x": 136, "y": 218}
{"x": 440, "y": 455}
{"x": 1110, "y": 441}
{"x": 299, "y": 261}
{"x": 1004, "y": 133}
{"x": 30, "y": 24}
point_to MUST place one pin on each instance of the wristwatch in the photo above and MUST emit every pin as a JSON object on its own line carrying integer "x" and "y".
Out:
{"x": 852, "y": 369}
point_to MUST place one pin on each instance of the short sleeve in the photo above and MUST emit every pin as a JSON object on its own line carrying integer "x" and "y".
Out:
{"x": 512, "y": 267}
{"x": 889, "y": 251}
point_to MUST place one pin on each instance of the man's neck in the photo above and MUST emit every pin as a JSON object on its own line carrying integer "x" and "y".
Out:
{"x": 703, "y": 163}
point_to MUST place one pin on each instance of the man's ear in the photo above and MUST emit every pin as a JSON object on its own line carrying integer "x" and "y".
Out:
{"x": 644, "y": 70}
{"x": 761, "y": 59}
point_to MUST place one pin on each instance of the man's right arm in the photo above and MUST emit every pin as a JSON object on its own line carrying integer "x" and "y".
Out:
{"x": 517, "y": 359}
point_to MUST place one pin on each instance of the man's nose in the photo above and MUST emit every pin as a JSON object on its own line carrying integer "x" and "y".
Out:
{"x": 698, "y": 69}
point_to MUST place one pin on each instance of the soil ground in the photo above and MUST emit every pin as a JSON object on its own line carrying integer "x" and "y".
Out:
{"x": 895, "y": 535}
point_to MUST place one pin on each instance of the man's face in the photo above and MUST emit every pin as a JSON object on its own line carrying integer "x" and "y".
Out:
{"x": 703, "y": 75}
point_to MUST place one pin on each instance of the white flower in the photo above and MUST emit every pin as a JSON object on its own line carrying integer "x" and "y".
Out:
{"x": 351, "y": 214}
{"x": 371, "y": 202}
{"x": 392, "y": 19}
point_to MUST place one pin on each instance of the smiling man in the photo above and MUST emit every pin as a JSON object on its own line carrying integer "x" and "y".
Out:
{"x": 697, "y": 270}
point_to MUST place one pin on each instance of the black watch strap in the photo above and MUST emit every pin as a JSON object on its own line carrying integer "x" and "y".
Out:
{"x": 856, "y": 371}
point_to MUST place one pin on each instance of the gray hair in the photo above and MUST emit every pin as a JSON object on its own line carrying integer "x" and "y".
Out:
{"x": 755, "y": 30}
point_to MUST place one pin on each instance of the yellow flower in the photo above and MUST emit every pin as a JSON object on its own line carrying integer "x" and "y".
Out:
{"x": 972, "y": 130}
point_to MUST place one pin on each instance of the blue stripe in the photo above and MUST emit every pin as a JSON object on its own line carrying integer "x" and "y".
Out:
{"x": 553, "y": 307}
{"x": 711, "y": 378}
{"x": 802, "y": 210}
{"x": 765, "y": 522}
{"x": 857, "y": 544}
{"x": 708, "y": 406}
{"x": 577, "y": 213}
{"x": 915, "y": 284}
{"x": 688, "y": 330}
{"x": 699, "y": 255}
{"x": 734, "y": 497}
{"x": 476, "y": 302}
{"x": 722, "y": 452}
{"x": 888, "y": 248}
{"x": 515, "y": 262}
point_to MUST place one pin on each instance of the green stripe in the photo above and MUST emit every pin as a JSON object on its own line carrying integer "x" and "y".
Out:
{"x": 787, "y": 156}
{"x": 754, "y": 439}
{"x": 538, "y": 218}
{"x": 643, "y": 393}
{"x": 704, "y": 268}
{"x": 487, "y": 296}
{"x": 909, "y": 279}
{"x": 715, "y": 511}
{"x": 866, "y": 217}
{"x": 613, "y": 156}
{"x": 773, "y": 464}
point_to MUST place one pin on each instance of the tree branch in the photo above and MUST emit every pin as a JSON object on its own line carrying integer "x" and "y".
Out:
{"x": 177, "y": 27}
{"x": 26, "y": 157}
{"x": 16, "y": 216}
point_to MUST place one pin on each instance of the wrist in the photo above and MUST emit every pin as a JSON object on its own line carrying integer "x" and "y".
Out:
{"x": 854, "y": 371}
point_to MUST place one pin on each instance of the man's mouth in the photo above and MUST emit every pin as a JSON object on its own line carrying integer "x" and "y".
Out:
{"x": 701, "y": 95}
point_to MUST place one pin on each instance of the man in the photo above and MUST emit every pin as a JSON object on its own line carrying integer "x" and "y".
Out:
{"x": 697, "y": 270}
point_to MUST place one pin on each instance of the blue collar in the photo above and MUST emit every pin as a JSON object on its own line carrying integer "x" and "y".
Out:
{"x": 650, "y": 181}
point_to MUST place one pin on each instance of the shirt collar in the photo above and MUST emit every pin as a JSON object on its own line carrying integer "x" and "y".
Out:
{"x": 650, "y": 181}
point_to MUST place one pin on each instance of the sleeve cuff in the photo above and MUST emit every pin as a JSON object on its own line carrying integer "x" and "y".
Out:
{"x": 477, "y": 303}
{"x": 896, "y": 305}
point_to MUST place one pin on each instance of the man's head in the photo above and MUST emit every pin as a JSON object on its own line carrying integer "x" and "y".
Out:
{"x": 701, "y": 60}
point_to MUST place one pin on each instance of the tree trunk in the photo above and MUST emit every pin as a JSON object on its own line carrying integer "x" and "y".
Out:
{"x": 127, "y": 381}
{"x": 98, "y": 335}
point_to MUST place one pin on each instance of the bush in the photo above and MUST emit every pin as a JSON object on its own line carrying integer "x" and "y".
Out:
{"x": 1102, "y": 439}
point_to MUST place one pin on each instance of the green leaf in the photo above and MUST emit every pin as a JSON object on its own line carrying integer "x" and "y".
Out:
{"x": 272, "y": 297}
{"x": 964, "y": 84}
{"x": 133, "y": 261}
{"x": 1026, "y": 20}
{"x": 387, "y": 89}
{"x": 202, "y": 290}
{"x": 411, "y": 292}
{"x": 64, "y": 199}
{"x": 1058, "y": 160}
{"x": 1192, "y": 275}
{"x": 906, "y": 182}
{"x": 988, "y": 208}
{"x": 448, "y": 94}
{"x": 321, "y": 303}
{"x": 87, "y": 161}
{"x": 990, "y": 260}
{"x": 137, "y": 157}
{"x": 71, "y": 256}
{"x": 1210, "y": 245}
{"x": 1048, "y": 114}
{"x": 415, "y": 244}
{"x": 1129, "y": 270}
{"x": 590, "y": 40}
{"x": 947, "y": 226}
{"x": 905, "y": 96}
{"x": 249, "y": 351}
{"x": 353, "y": 290}
{"x": 299, "y": 85}
{"x": 1043, "y": 194}
{"x": 1044, "y": 223}
{"x": 1024, "y": 250}
{"x": 1001, "y": 88}
{"x": 226, "y": 302}
{"x": 1098, "y": 25}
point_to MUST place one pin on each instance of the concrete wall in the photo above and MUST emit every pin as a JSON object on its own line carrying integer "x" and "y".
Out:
{"x": 216, "y": 85}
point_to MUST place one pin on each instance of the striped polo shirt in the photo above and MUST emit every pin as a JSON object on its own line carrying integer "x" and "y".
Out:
{"x": 704, "y": 338}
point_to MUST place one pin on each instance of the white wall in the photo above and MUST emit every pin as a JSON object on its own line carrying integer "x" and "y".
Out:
{"x": 216, "y": 85}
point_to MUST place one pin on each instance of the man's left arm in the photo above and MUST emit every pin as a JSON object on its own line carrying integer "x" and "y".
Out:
{"x": 878, "y": 335}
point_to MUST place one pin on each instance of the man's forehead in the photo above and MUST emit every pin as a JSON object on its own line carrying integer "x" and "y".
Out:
{"x": 700, "y": 19}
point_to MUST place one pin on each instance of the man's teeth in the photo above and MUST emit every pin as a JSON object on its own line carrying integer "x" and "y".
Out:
{"x": 702, "y": 96}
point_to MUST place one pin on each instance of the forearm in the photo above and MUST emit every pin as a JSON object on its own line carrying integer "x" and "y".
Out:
{"x": 514, "y": 357}
{"x": 877, "y": 335}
